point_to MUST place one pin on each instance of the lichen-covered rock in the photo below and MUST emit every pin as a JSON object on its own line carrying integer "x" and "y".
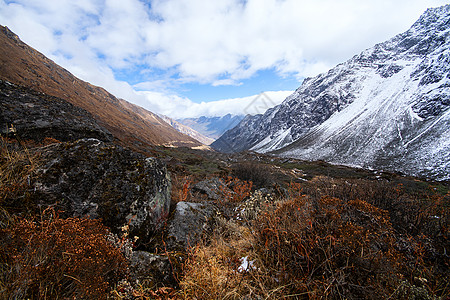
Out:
{"x": 189, "y": 223}
{"x": 150, "y": 268}
{"x": 213, "y": 187}
{"x": 36, "y": 116}
{"x": 102, "y": 180}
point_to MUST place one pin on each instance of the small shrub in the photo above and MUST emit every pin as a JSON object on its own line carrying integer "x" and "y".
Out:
{"x": 329, "y": 248}
{"x": 181, "y": 188}
{"x": 58, "y": 258}
{"x": 259, "y": 174}
{"x": 236, "y": 190}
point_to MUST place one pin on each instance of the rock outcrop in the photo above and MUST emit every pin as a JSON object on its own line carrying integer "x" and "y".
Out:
{"x": 34, "y": 116}
{"x": 189, "y": 224}
{"x": 150, "y": 268}
{"x": 90, "y": 178}
{"x": 213, "y": 188}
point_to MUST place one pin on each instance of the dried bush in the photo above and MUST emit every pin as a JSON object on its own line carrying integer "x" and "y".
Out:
{"x": 58, "y": 258}
{"x": 411, "y": 212}
{"x": 16, "y": 166}
{"x": 259, "y": 174}
{"x": 329, "y": 248}
{"x": 236, "y": 190}
{"x": 181, "y": 188}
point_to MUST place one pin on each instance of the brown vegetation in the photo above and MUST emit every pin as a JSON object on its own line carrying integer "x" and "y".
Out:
{"x": 259, "y": 174}
{"x": 323, "y": 241}
{"x": 17, "y": 164}
{"x": 327, "y": 238}
{"x": 58, "y": 258}
{"x": 236, "y": 190}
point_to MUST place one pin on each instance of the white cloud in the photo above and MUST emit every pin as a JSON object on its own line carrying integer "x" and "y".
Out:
{"x": 217, "y": 42}
{"x": 178, "y": 107}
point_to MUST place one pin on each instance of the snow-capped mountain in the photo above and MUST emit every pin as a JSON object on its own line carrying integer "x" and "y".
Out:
{"x": 187, "y": 130}
{"x": 386, "y": 108}
{"x": 212, "y": 127}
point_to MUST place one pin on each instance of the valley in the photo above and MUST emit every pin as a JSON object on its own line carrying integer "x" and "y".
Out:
{"x": 340, "y": 192}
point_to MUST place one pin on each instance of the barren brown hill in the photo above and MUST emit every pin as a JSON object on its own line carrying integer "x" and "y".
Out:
{"x": 23, "y": 65}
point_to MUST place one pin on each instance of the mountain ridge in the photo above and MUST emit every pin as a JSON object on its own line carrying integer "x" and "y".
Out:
{"x": 212, "y": 127}
{"x": 380, "y": 109}
{"x": 25, "y": 66}
{"x": 187, "y": 130}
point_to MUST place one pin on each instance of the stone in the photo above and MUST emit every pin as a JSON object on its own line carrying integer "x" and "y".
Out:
{"x": 91, "y": 178}
{"x": 150, "y": 268}
{"x": 213, "y": 187}
{"x": 189, "y": 223}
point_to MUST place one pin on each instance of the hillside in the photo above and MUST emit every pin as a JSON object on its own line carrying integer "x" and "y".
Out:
{"x": 386, "y": 108}
{"x": 23, "y": 65}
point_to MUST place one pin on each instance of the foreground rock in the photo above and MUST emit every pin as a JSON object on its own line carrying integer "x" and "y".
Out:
{"x": 150, "y": 268}
{"x": 213, "y": 188}
{"x": 101, "y": 180}
{"x": 189, "y": 224}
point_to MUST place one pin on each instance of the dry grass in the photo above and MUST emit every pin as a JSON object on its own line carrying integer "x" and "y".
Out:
{"x": 211, "y": 271}
{"x": 17, "y": 164}
{"x": 313, "y": 245}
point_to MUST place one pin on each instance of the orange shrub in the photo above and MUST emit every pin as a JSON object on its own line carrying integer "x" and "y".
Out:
{"x": 58, "y": 258}
{"x": 329, "y": 248}
{"x": 181, "y": 188}
{"x": 237, "y": 190}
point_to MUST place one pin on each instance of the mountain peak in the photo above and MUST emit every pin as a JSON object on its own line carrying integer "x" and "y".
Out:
{"x": 386, "y": 108}
{"x": 434, "y": 18}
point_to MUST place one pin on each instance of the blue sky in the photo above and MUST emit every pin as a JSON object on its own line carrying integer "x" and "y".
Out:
{"x": 186, "y": 58}
{"x": 261, "y": 81}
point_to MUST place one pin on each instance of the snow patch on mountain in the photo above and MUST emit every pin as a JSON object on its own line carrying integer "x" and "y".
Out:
{"x": 386, "y": 108}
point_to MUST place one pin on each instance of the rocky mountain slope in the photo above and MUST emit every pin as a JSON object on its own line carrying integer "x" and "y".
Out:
{"x": 386, "y": 108}
{"x": 35, "y": 116}
{"x": 187, "y": 130}
{"x": 23, "y": 65}
{"x": 212, "y": 127}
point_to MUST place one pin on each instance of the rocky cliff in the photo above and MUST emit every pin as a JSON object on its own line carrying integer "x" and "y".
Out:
{"x": 386, "y": 108}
